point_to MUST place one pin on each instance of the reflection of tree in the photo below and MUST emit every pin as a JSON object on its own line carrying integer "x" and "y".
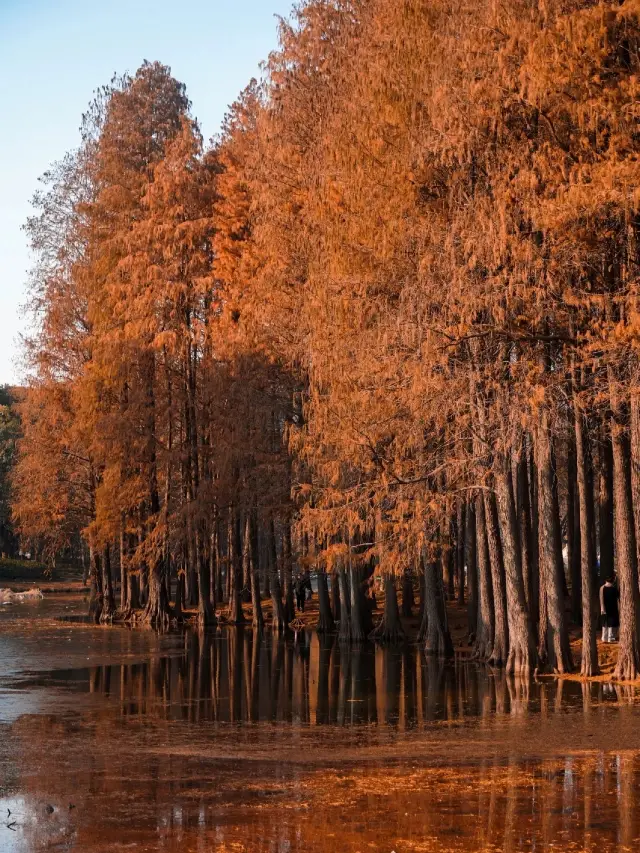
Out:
{"x": 319, "y": 671}
{"x": 235, "y": 645}
{"x": 138, "y": 771}
{"x": 409, "y": 685}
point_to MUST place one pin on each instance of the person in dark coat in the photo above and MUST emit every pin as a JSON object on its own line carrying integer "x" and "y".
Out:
{"x": 300, "y": 592}
{"x": 609, "y": 610}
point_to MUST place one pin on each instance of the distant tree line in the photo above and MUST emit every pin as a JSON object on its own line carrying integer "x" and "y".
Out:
{"x": 386, "y": 323}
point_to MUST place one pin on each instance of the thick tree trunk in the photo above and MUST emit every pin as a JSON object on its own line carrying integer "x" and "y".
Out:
{"x": 157, "y": 611}
{"x": 206, "y": 615}
{"x": 96, "y": 597}
{"x": 483, "y": 645}
{"x": 472, "y": 569}
{"x": 256, "y": 603}
{"x": 335, "y": 598}
{"x": 628, "y": 666}
{"x": 534, "y": 606}
{"x": 451, "y": 559}
{"x": 605, "y": 504}
{"x": 177, "y": 607}
{"x": 460, "y": 549}
{"x": 289, "y": 602}
{"x": 143, "y": 582}
{"x": 108, "y": 601}
{"x": 424, "y": 610}
{"x": 447, "y": 574}
{"x": 360, "y": 618}
{"x": 558, "y": 649}
{"x": 133, "y": 592}
{"x": 523, "y": 656}
{"x": 500, "y": 651}
{"x": 266, "y": 575}
{"x": 213, "y": 568}
{"x": 345, "y": 607}
{"x": 389, "y": 630}
{"x": 573, "y": 532}
{"x": 191, "y": 575}
{"x": 124, "y": 570}
{"x": 219, "y": 596}
{"x": 407, "y": 594}
{"x": 236, "y": 615}
{"x": 635, "y": 467}
{"x": 246, "y": 556}
{"x": 524, "y": 521}
{"x": 325, "y": 617}
{"x": 584, "y": 477}
{"x": 279, "y": 622}
{"x": 438, "y": 639}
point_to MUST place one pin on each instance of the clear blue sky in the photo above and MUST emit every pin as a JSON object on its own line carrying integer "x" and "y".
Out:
{"x": 55, "y": 53}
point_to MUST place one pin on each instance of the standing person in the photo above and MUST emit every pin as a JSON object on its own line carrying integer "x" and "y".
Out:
{"x": 609, "y": 596}
{"x": 306, "y": 585}
{"x": 300, "y": 588}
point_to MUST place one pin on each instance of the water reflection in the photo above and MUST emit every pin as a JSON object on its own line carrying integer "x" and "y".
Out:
{"x": 240, "y": 676}
{"x": 240, "y": 742}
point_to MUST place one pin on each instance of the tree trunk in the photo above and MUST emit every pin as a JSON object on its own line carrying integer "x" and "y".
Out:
{"x": 635, "y": 467}
{"x": 191, "y": 574}
{"x": 289, "y": 603}
{"x": 335, "y": 597}
{"x": 279, "y": 622}
{"x": 256, "y": 603}
{"x": 523, "y": 657}
{"x": 96, "y": 597}
{"x": 219, "y": 596}
{"x": 157, "y": 611}
{"x": 584, "y": 477}
{"x": 451, "y": 559}
{"x": 407, "y": 594}
{"x": 108, "y": 601}
{"x": 557, "y": 635}
{"x": 236, "y": 615}
{"x": 389, "y": 630}
{"x": 325, "y": 617}
{"x": 246, "y": 556}
{"x": 483, "y": 645}
{"x": 438, "y": 639}
{"x": 628, "y": 666}
{"x": 206, "y": 615}
{"x": 573, "y": 532}
{"x": 133, "y": 592}
{"x": 177, "y": 607}
{"x": 605, "y": 504}
{"x": 359, "y": 615}
{"x": 266, "y": 575}
{"x": 534, "y": 606}
{"x": 345, "y": 626}
{"x": 424, "y": 610}
{"x": 213, "y": 568}
{"x": 500, "y": 651}
{"x": 124, "y": 570}
{"x": 524, "y": 521}
{"x": 472, "y": 569}
{"x": 460, "y": 549}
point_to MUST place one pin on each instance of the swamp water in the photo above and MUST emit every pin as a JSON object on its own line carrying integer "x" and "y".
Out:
{"x": 114, "y": 739}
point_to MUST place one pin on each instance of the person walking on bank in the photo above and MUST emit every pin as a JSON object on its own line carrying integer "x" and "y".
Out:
{"x": 609, "y": 595}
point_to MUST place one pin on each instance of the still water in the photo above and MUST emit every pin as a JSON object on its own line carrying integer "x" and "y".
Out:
{"x": 114, "y": 739}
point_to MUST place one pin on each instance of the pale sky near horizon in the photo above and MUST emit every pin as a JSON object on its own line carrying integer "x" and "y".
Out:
{"x": 55, "y": 53}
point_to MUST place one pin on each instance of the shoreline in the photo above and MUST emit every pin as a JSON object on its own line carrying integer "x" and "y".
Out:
{"x": 607, "y": 652}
